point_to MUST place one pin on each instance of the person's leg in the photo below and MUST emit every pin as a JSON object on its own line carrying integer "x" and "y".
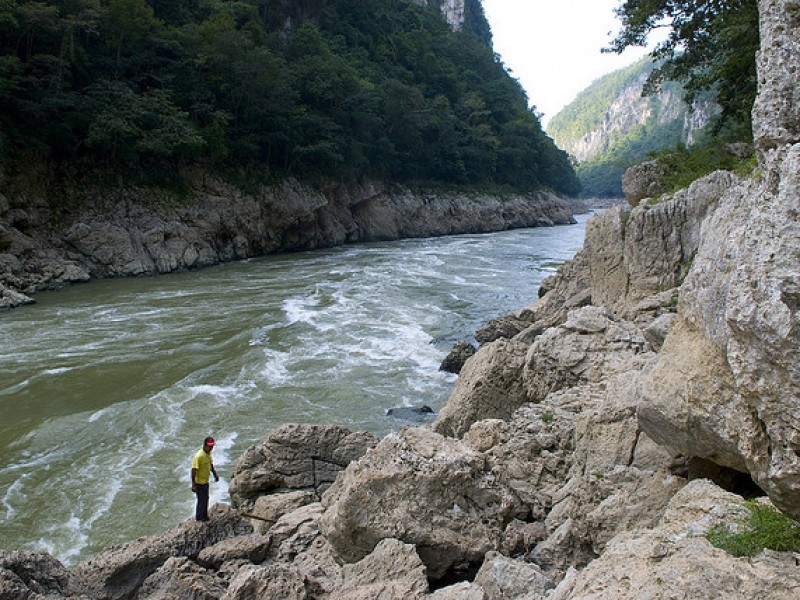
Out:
{"x": 201, "y": 512}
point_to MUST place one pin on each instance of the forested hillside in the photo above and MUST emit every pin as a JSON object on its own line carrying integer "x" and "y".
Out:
{"x": 611, "y": 125}
{"x": 306, "y": 88}
{"x": 708, "y": 57}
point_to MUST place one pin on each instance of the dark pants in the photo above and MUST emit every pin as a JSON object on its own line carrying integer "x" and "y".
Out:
{"x": 201, "y": 512}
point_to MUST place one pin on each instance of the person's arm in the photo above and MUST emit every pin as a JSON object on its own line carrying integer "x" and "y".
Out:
{"x": 194, "y": 484}
{"x": 214, "y": 471}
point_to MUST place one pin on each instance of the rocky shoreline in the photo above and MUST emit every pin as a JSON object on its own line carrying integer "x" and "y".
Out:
{"x": 588, "y": 447}
{"x": 135, "y": 231}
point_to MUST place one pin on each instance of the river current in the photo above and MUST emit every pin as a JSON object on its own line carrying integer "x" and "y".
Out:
{"x": 107, "y": 389}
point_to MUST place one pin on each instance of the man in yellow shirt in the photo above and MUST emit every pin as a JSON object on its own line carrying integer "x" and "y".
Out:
{"x": 202, "y": 468}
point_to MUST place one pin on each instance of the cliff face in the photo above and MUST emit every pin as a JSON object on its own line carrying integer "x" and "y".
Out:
{"x": 143, "y": 231}
{"x": 454, "y": 11}
{"x": 739, "y": 304}
{"x": 612, "y": 115}
{"x": 610, "y": 127}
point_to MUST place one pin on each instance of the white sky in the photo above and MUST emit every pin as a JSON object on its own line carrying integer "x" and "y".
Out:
{"x": 553, "y": 46}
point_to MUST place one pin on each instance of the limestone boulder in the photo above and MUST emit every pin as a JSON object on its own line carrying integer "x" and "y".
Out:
{"x": 645, "y": 180}
{"x": 460, "y": 591}
{"x": 268, "y": 581}
{"x": 298, "y": 541}
{"x": 489, "y": 386}
{"x": 10, "y": 298}
{"x": 635, "y": 254}
{"x": 181, "y": 579}
{"x": 294, "y": 458}
{"x": 393, "y": 571}
{"x": 32, "y": 575}
{"x": 675, "y": 560}
{"x": 252, "y": 548}
{"x": 592, "y": 344}
{"x": 119, "y": 571}
{"x": 422, "y": 489}
{"x": 504, "y": 578}
{"x": 533, "y": 450}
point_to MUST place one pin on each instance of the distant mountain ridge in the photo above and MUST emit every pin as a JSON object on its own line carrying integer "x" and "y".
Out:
{"x": 611, "y": 126}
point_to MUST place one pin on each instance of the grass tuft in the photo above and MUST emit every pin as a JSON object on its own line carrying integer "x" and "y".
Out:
{"x": 764, "y": 528}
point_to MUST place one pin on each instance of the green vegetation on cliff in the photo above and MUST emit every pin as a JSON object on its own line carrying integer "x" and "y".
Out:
{"x": 611, "y": 127}
{"x": 707, "y": 60}
{"x": 320, "y": 89}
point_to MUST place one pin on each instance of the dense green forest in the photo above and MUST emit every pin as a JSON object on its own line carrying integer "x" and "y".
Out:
{"x": 305, "y": 88}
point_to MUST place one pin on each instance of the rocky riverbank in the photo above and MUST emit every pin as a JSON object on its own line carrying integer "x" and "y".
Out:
{"x": 588, "y": 447}
{"x": 130, "y": 232}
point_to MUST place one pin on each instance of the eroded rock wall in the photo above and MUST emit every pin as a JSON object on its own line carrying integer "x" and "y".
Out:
{"x": 133, "y": 232}
{"x": 738, "y": 404}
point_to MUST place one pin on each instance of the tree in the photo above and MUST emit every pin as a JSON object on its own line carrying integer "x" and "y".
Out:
{"x": 711, "y": 46}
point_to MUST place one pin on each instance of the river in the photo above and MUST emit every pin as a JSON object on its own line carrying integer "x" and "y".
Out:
{"x": 108, "y": 388}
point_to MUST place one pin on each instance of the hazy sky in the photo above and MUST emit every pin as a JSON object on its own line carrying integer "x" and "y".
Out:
{"x": 553, "y": 46}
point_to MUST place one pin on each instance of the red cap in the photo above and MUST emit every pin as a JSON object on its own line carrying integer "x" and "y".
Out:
{"x": 209, "y": 441}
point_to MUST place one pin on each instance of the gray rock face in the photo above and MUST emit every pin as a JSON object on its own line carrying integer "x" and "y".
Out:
{"x": 636, "y": 254}
{"x": 423, "y": 489}
{"x": 393, "y": 571}
{"x": 32, "y": 575}
{"x": 131, "y": 232}
{"x": 776, "y": 114}
{"x": 674, "y": 560}
{"x": 738, "y": 311}
{"x": 490, "y": 385}
{"x": 645, "y": 180}
{"x": 118, "y": 572}
{"x": 302, "y": 460}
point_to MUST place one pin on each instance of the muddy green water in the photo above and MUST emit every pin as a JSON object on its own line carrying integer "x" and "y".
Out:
{"x": 108, "y": 388}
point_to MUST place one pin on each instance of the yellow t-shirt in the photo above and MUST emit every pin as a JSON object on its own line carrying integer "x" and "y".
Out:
{"x": 202, "y": 462}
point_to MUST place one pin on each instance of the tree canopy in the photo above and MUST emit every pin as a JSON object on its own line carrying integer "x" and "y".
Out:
{"x": 307, "y": 88}
{"x": 711, "y": 46}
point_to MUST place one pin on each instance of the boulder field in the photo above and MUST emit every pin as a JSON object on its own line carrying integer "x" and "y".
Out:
{"x": 588, "y": 447}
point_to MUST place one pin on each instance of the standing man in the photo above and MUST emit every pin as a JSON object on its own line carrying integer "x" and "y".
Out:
{"x": 202, "y": 467}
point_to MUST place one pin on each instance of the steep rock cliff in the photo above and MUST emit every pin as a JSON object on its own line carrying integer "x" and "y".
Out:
{"x": 610, "y": 126}
{"x": 612, "y": 109}
{"x": 454, "y": 11}
{"x": 144, "y": 231}
{"x": 740, "y": 304}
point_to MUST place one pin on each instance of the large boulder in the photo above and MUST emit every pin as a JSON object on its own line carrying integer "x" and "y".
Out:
{"x": 675, "y": 560}
{"x": 645, "y": 180}
{"x": 591, "y": 345}
{"x": 740, "y": 304}
{"x": 502, "y": 577}
{"x": 119, "y": 571}
{"x": 422, "y": 489}
{"x": 636, "y": 254}
{"x": 33, "y": 575}
{"x": 489, "y": 386}
{"x": 293, "y": 465}
{"x": 268, "y": 581}
{"x": 393, "y": 571}
{"x": 298, "y": 541}
{"x": 181, "y": 579}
